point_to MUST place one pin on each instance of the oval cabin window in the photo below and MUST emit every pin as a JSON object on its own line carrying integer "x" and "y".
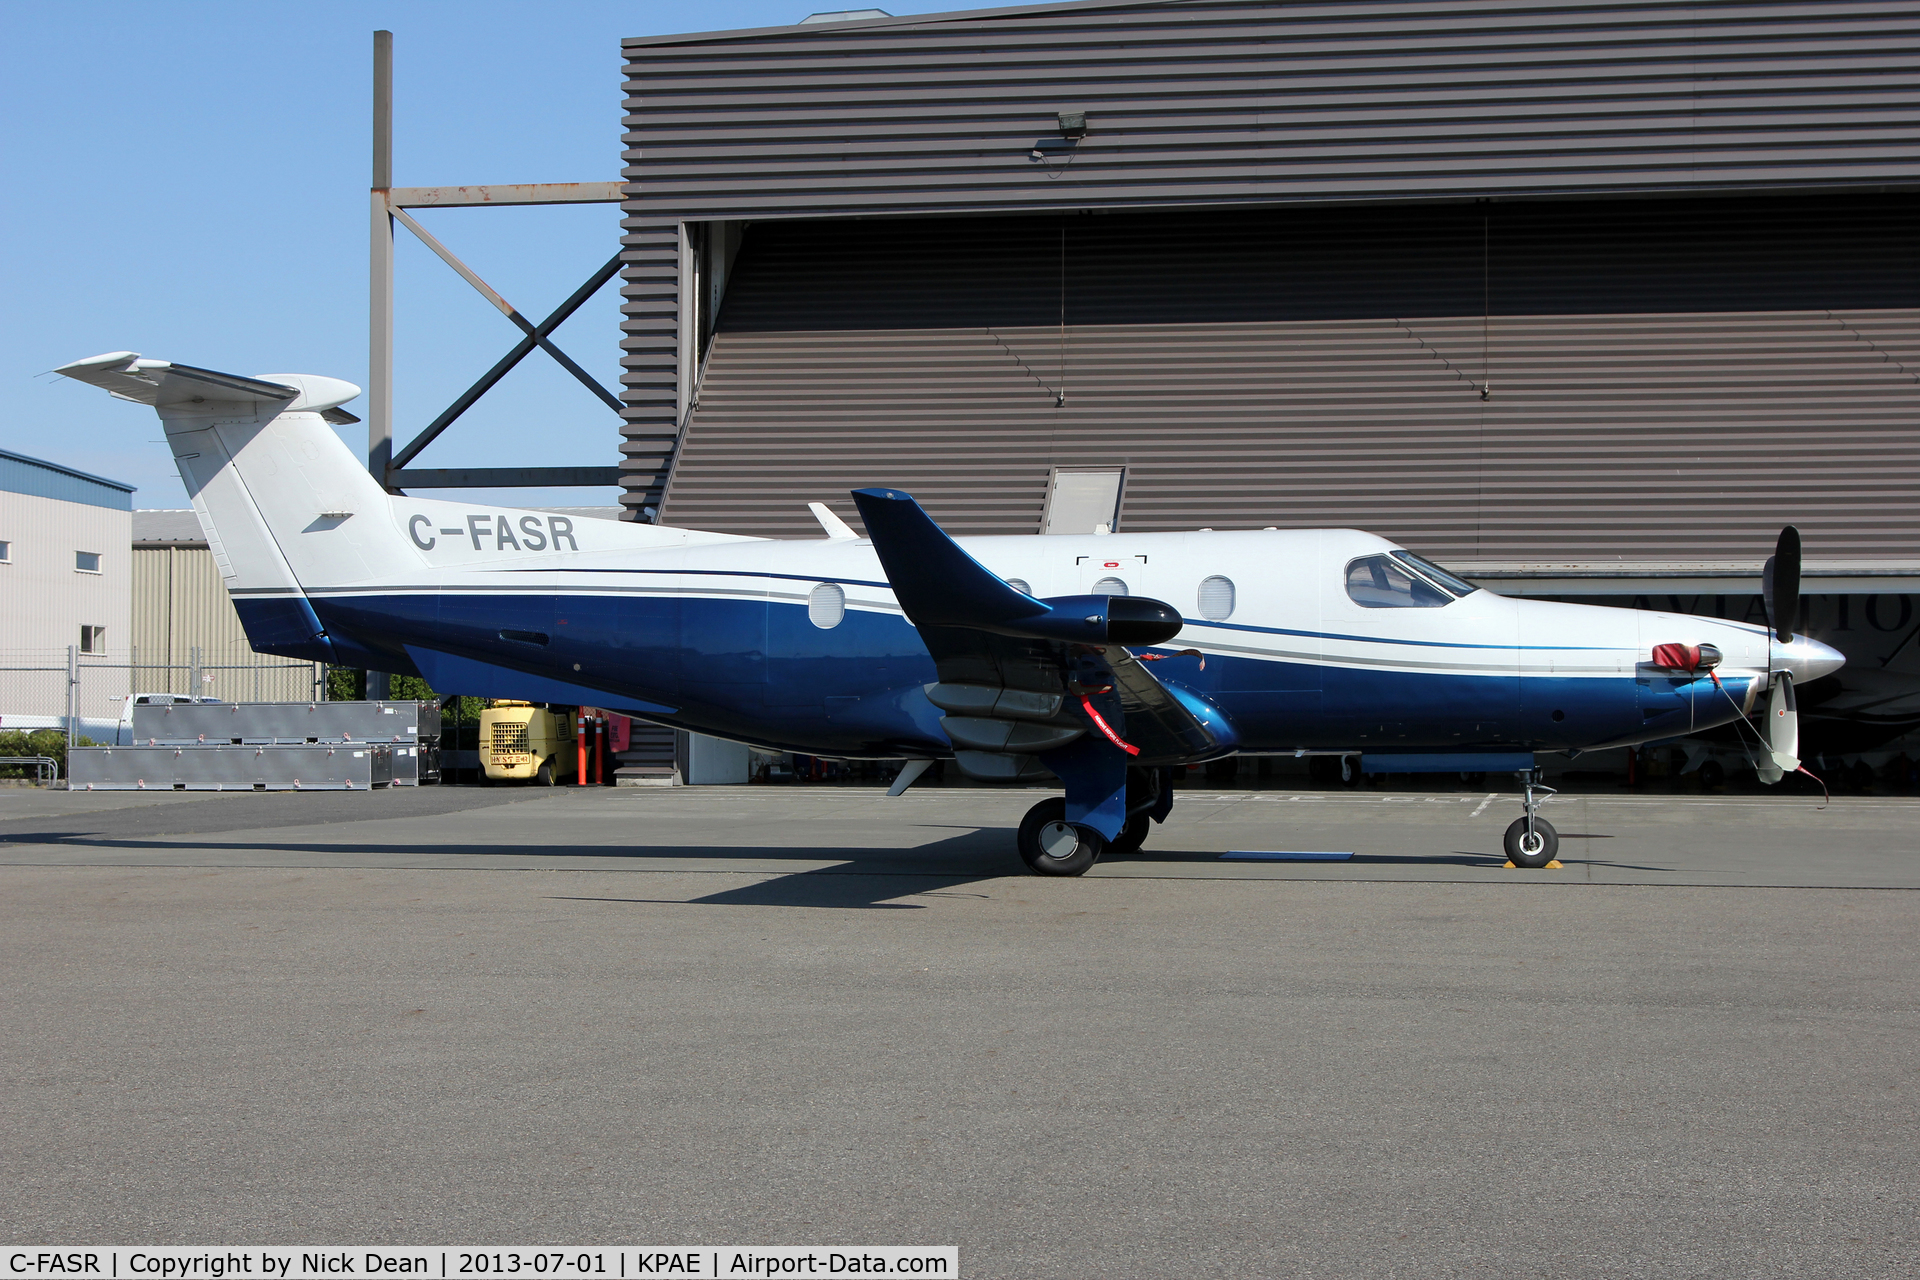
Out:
{"x": 826, "y": 605}
{"x": 1020, "y": 585}
{"x": 1109, "y": 587}
{"x": 1216, "y": 598}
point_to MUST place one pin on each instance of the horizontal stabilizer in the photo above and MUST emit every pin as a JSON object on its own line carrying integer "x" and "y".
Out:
{"x": 182, "y": 387}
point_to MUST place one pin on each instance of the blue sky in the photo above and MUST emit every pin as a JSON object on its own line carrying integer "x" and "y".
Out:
{"x": 189, "y": 181}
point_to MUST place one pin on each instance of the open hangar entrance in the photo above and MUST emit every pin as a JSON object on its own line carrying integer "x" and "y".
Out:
{"x": 1552, "y": 380}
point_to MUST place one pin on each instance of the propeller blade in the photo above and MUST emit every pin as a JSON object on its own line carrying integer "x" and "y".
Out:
{"x": 1780, "y": 585}
{"x": 1783, "y": 731}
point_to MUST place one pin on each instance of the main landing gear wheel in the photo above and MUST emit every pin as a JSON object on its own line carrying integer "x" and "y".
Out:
{"x": 1533, "y": 849}
{"x": 1052, "y": 846}
{"x": 1131, "y": 836}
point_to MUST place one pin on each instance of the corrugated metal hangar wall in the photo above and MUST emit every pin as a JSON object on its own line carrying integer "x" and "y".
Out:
{"x": 1577, "y": 282}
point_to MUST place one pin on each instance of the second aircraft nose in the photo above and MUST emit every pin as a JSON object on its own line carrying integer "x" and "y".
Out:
{"x": 1805, "y": 658}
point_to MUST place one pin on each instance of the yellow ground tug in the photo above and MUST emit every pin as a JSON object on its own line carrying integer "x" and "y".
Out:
{"x": 527, "y": 742}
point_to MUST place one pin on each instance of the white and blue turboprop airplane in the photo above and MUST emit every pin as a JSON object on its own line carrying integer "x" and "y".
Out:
{"x": 1017, "y": 657}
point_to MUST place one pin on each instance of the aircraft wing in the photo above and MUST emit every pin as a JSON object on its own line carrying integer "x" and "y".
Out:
{"x": 1003, "y": 655}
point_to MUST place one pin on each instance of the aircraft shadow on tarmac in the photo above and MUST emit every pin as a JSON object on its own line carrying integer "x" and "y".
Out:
{"x": 865, "y": 878}
{"x": 838, "y": 889}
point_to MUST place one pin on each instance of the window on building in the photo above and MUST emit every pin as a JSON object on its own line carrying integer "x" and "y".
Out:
{"x": 87, "y": 561}
{"x": 1084, "y": 501}
{"x": 93, "y": 639}
{"x": 6, "y": 553}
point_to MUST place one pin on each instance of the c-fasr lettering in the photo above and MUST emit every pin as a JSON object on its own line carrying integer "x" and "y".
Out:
{"x": 55, "y": 1264}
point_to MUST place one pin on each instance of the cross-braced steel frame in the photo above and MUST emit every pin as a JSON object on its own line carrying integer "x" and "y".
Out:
{"x": 390, "y": 205}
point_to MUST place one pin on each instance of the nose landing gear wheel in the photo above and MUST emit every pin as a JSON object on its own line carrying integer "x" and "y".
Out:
{"x": 1535, "y": 849}
{"x": 1052, "y": 846}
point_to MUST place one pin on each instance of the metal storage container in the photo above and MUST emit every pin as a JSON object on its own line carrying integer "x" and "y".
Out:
{"x": 287, "y": 722}
{"x": 342, "y": 766}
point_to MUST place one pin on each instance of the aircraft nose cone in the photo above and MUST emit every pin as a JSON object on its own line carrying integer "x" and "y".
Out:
{"x": 1806, "y": 659}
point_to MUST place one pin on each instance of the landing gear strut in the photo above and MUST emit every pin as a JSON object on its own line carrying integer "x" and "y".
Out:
{"x": 1531, "y": 841}
{"x": 1149, "y": 800}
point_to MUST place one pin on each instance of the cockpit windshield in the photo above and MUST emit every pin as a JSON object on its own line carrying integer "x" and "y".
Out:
{"x": 1435, "y": 574}
{"x": 1402, "y": 580}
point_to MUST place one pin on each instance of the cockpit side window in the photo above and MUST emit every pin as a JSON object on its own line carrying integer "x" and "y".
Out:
{"x": 1380, "y": 582}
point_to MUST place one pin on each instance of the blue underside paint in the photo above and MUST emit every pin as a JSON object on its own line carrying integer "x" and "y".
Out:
{"x": 1448, "y": 762}
{"x": 1095, "y": 774}
{"x": 485, "y": 680}
{"x": 760, "y": 672}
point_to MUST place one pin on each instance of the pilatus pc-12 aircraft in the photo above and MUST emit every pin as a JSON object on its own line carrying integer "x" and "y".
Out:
{"x": 1103, "y": 661}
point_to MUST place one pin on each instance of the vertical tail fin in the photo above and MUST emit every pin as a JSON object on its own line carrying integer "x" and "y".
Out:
{"x": 289, "y": 511}
{"x": 262, "y": 466}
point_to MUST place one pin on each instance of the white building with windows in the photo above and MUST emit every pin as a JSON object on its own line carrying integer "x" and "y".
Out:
{"x": 66, "y": 578}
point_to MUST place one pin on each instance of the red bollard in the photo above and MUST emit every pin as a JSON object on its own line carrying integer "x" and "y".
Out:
{"x": 580, "y": 739}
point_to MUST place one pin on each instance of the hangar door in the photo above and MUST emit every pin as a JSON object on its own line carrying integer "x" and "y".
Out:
{"x": 1530, "y": 381}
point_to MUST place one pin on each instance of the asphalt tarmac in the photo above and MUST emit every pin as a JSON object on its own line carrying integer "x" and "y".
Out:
{"x": 765, "y": 1015}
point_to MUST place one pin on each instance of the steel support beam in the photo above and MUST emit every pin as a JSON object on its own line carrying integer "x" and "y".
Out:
{"x": 380, "y": 294}
{"x": 504, "y": 477}
{"x": 508, "y": 193}
{"x": 380, "y": 285}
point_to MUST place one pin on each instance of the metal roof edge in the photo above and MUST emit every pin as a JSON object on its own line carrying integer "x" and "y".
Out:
{"x": 902, "y": 20}
{"x": 66, "y": 471}
{"x": 1641, "y": 577}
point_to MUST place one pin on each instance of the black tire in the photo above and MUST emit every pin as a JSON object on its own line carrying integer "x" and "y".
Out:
{"x": 1043, "y": 841}
{"x": 1545, "y": 845}
{"x": 1131, "y": 836}
{"x": 1713, "y": 776}
{"x": 543, "y": 776}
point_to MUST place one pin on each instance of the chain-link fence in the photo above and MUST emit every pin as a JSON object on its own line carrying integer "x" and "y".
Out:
{"x": 88, "y": 695}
